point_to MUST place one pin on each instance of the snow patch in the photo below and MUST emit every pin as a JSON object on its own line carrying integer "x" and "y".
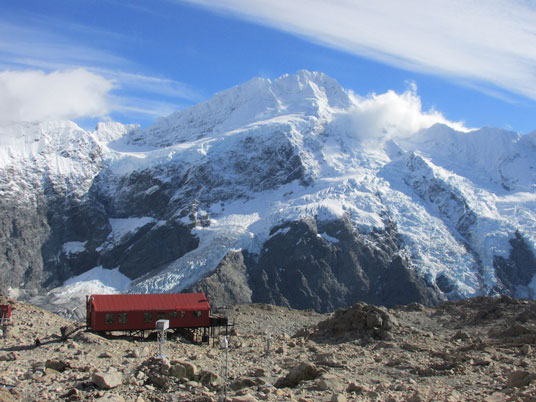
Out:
{"x": 327, "y": 237}
{"x": 95, "y": 281}
{"x": 122, "y": 227}
{"x": 281, "y": 231}
{"x": 74, "y": 247}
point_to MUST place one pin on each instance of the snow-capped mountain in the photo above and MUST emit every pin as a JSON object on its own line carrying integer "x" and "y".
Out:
{"x": 292, "y": 191}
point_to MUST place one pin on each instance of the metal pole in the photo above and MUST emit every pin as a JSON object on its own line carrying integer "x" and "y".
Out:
{"x": 225, "y": 366}
{"x": 267, "y": 346}
{"x": 162, "y": 343}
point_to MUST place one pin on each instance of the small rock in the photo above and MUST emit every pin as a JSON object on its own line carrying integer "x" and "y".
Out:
{"x": 190, "y": 368}
{"x": 241, "y": 383}
{"x": 416, "y": 397}
{"x": 192, "y": 385}
{"x": 244, "y": 398}
{"x": 73, "y": 394}
{"x": 9, "y": 357}
{"x": 330, "y": 382}
{"x": 301, "y": 372}
{"x": 5, "y": 396}
{"x": 158, "y": 379}
{"x": 461, "y": 335}
{"x": 519, "y": 379}
{"x": 57, "y": 365}
{"x": 354, "y": 388}
{"x": 48, "y": 375}
{"x": 482, "y": 361}
{"x": 108, "y": 380}
{"x": 178, "y": 371}
{"x": 165, "y": 365}
{"x": 112, "y": 398}
{"x": 134, "y": 353}
{"x": 210, "y": 379}
{"x": 338, "y": 398}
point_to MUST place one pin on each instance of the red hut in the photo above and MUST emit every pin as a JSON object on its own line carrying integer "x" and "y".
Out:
{"x": 132, "y": 312}
{"x": 5, "y": 311}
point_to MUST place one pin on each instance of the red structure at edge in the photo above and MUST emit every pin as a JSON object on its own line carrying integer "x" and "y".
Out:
{"x": 5, "y": 310}
{"x": 132, "y": 312}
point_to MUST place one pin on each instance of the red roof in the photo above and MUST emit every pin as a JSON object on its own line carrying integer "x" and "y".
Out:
{"x": 155, "y": 302}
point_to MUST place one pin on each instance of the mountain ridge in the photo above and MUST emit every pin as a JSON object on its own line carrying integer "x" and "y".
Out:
{"x": 218, "y": 177}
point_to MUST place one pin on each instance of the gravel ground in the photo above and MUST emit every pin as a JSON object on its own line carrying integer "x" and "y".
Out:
{"x": 472, "y": 350}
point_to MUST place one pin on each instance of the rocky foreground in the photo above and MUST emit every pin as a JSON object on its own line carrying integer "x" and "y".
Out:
{"x": 472, "y": 350}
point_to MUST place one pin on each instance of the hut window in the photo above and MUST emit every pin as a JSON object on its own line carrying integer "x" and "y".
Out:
{"x": 172, "y": 314}
{"x": 108, "y": 318}
{"x": 122, "y": 318}
{"x": 147, "y": 317}
{"x": 183, "y": 314}
{"x": 197, "y": 313}
{"x": 161, "y": 316}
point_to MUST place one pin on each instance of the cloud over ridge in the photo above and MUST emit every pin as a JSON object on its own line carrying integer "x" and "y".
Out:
{"x": 377, "y": 118}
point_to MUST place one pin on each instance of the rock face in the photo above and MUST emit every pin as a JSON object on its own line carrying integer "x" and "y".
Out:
{"x": 516, "y": 271}
{"x": 329, "y": 265}
{"x": 323, "y": 266}
{"x": 23, "y": 231}
{"x": 229, "y": 284}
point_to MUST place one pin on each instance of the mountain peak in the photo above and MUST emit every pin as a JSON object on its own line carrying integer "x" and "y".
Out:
{"x": 305, "y": 93}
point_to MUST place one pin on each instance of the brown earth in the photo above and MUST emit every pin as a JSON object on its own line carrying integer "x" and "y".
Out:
{"x": 472, "y": 350}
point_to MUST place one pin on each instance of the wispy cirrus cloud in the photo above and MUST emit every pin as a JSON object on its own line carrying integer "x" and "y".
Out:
{"x": 38, "y": 45}
{"x": 491, "y": 44}
{"x": 46, "y": 74}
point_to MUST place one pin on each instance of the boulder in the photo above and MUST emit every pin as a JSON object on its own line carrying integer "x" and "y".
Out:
{"x": 302, "y": 372}
{"x": 357, "y": 321}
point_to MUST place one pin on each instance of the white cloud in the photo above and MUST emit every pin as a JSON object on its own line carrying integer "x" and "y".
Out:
{"x": 492, "y": 43}
{"x": 38, "y": 52}
{"x": 377, "y": 118}
{"x": 37, "y": 96}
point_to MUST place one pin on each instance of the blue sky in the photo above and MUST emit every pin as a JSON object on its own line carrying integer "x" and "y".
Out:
{"x": 133, "y": 61}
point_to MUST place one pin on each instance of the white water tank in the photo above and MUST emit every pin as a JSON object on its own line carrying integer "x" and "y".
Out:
{"x": 162, "y": 325}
